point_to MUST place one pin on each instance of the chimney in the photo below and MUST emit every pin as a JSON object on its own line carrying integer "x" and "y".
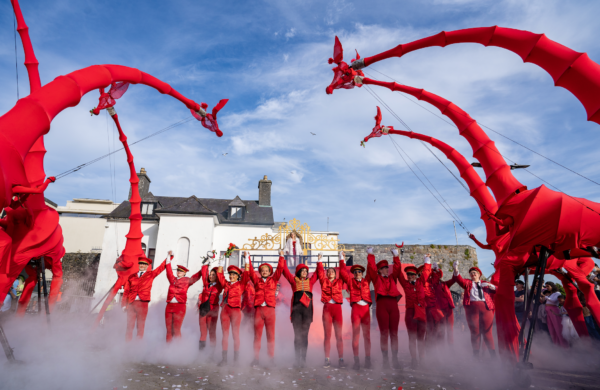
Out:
{"x": 144, "y": 184}
{"x": 264, "y": 192}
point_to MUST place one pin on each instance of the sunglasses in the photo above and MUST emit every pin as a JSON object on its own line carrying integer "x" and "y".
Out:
{"x": 411, "y": 274}
{"x": 357, "y": 272}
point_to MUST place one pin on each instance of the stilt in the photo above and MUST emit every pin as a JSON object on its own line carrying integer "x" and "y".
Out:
{"x": 39, "y": 286}
{"x": 103, "y": 298}
{"x": 8, "y": 351}
{"x": 527, "y": 309}
{"x": 45, "y": 288}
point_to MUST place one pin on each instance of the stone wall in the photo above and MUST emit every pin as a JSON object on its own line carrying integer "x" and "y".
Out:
{"x": 445, "y": 255}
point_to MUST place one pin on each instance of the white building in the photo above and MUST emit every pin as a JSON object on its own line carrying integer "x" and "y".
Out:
{"x": 192, "y": 226}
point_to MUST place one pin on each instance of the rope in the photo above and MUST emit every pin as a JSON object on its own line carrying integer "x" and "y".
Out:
{"x": 77, "y": 168}
{"x": 16, "y": 61}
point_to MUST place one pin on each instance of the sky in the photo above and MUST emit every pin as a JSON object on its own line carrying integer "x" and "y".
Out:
{"x": 270, "y": 59}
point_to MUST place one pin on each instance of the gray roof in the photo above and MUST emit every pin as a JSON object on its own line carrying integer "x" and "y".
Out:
{"x": 254, "y": 215}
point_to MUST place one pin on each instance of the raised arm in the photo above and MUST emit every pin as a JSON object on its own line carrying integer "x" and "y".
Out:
{"x": 155, "y": 272}
{"x": 221, "y": 276}
{"x": 250, "y": 271}
{"x": 204, "y": 272}
{"x": 321, "y": 270}
{"x": 344, "y": 270}
{"x": 457, "y": 278}
{"x": 396, "y": 267}
{"x": 170, "y": 272}
{"x": 313, "y": 280}
{"x": 479, "y": 244}
{"x": 426, "y": 269}
{"x": 281, "y": 267}
{"x": 371, "y": 267}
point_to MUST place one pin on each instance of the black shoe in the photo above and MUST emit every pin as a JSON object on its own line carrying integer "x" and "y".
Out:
{"x": 223, "y": 362}
{"x": 386, "y": 360}
{"x": 342, "y": 364}
{"x": 367, "y": 362}
{"x": 202, "y": 345}
{"x": 236, "y": 356}
{"x": 356, "y": 364}
{"x": 396, "y": 363}
{"x": 327, "y": 363}
{"x": 254, "y": 363}
{"x": 414, "y": 364}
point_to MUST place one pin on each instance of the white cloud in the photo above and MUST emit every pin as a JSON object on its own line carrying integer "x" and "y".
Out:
{"x": 291, "y": 33}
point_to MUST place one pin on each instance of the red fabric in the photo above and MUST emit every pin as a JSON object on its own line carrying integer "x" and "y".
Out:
{"x": 343, "y": 75}
{"x": 467, "y": 285}
{"x": 210, "y": 292}
{"x": 232, "y": 292}
{"x": 136, "y": 286}
{"x": 178, "y": 288}
{"x": 174, "y": 315}
{"x": 264, "y": 317}
{"x": 208, "y": 326}
{"x": 416, "y": 334}
{"x": 265, "y": 289}
{"x": 573, "y": 306}
{"x": 137, "y": 312}
{"x": 414, "y": 293}
{"x": 358, "y": 290}
{"x": 233, "y": 316}
{"x": 329, "y": 290}
{"x": 294, "y": 247}
{"x": 384, "y": 286}
{"x": 248, "y": 299}
{"x": 209, "y": 121}
{"x": 332, "y": 317}
{"x": 388, "y": 319}
{"x": 447, "y": 325}
{"x": 480, "y": 321}
{"x": 360, "y": 318}
{"x": 442, "y": 290}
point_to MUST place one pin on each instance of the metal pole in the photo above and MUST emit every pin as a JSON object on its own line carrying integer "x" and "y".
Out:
{"x": 39, "y": 287}
{"x": 8, "y": 351}
{"x": 455, "y": 236}
{"x": 45, "y": 288}
{"x": 527, "y": 309}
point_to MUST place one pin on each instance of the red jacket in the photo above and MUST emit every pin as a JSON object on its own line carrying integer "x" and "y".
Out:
{"x": 210, "y": 291}
{"x": 329, "y": 290}
{"x": 467, "y": 284}
{"x": 385, "y": 287}
{"x": 232, "y": 292}
{"x": 358, "y": 290}
{"x": 264, "y": 289}
{"x": 414, "y": 293}
{"x": 179, "y": 287}
{"x": 248, "y": 298}
{"x": 442, "y": 290}
{"x": 136, "y": 286}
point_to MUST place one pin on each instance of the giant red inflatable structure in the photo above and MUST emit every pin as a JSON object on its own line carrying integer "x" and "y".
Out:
{"x": 31, "y": 229}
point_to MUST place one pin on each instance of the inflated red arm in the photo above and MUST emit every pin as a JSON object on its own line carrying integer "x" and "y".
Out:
{"x": 479, "y": 244}
{"x": 36, "y": 190}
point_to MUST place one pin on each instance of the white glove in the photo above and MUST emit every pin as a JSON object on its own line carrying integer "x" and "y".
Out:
{"x": 427, "y": 259}
{"x": 222, "y": 262}
{"x": 455, "y": 265}
{"x": 370, "y": 250}
{"x": 488, "y": 285}
{"x": 395, "y": 252}
{"x": 341, "y": 255}
{"x": 434, "y": 266}
{"x": 320, "y": 258}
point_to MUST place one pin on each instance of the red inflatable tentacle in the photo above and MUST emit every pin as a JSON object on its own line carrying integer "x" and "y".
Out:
{"x": 569, "y": 69}
{"x": 31, "y": 63}
{"x": 499, "y": 176}
{"x": 133, "y": 244}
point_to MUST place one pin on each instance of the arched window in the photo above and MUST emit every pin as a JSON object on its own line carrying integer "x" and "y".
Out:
{"x": 183, "y": 251}
{"x": 144, "y": 249}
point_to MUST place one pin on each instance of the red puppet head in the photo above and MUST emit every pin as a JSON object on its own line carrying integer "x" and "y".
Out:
{"x": 343, "y": 75}
{"x": 210, "y": 120}
{"x": 377, "y": 132}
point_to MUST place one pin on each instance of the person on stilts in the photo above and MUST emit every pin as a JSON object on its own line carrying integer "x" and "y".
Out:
{"x": 136, "y": 295}
{"x": 387, "y": 296}
{"x": 360, "y": 300}
{"x": 415, "y": 317}
{"x": 232, "y": 307}
{"x": 479, "y": 308}
{"x": 177, "y": 299}
{"x": 265, "y": 285}
{"x": 332, "y": 298}
{"x": 301, "y": 308}
{"x": 208, "y": 303}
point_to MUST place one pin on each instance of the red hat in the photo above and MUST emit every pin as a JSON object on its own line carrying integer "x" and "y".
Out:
{"x": 182, "y": 268}
{"x": 476, "y": 269}
{"x": 357, "y": 267}
{"x": 143, "y": 260}
{"x": 381, "y": 264}
{"x": 300, "y": 267}
{"x": 411, "y": 268}
{"x": 266, "y": 265}
{"x": 233, "y": 268}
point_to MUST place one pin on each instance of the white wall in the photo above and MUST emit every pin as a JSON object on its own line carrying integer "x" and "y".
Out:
{"x": 82, "y": 234}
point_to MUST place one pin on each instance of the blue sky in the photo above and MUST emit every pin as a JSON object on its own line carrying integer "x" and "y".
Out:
{"x": 270, "y": 59}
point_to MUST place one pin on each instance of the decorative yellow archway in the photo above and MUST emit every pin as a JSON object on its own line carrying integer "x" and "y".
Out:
{"x": 309, "y": 240}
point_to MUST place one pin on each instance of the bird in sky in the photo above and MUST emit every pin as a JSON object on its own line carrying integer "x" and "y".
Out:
{"x": 312, "y": 133}
{"x": 225, "y": 154}
{"x": 375, "y": 200}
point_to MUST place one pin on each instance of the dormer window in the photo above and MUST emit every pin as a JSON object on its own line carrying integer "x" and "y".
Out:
{"x": 236, "y": 212}
{"x": 147, "y": 208}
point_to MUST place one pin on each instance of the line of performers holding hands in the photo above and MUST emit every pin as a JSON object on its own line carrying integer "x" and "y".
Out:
{"x": 429, "y": 305}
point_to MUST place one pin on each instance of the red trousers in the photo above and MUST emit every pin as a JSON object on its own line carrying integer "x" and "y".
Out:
{"x": 480, "y": 321}
{"x": 416, "y": 332}
{"x": 136, "y": 314}
{"x": 174, "y": 314}
{"x": 332, "y": 315}
{"x": 361, "y": 318}
{"x": 264, "y": 316}
{"x": 388, "y": 318}
{"x": 434, "y": 333}
{"x": 209, "y": 323}
{"x": 447, "y": 325}
{"x": 233, "y": 316}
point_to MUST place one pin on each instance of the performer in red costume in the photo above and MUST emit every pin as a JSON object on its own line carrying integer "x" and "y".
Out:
{"x": 388, "y": 314}
{"x": 248, "y": 306}
{"x": 177, "y": 299}
{"x": 265, "y": 286}
{"x": 479, "y": 308}
{"x": 332, "y": 298}
{"x": 444, "y": 302}
{"x": 232, "y": 307}
{"x": 210, "y": 299}
{"x": 415, "y": 316}
{"x": 301, "y": 308}
{"x": 360, "y": 300}
{"x": 137, "y": 295}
